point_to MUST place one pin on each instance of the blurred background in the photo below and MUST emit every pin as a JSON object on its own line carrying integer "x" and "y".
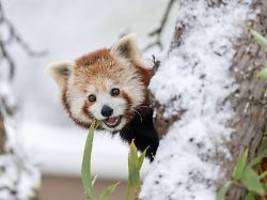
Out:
{"x": 65, "y": 30}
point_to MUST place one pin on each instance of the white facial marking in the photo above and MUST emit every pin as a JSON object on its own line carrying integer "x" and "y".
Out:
{"x": 118, "y": 105}
{"x": 130, "y": 83}
{"x": 76, "y": 101}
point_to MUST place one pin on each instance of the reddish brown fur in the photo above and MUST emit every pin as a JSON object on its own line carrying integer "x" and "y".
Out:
{"x": 67, "y": 108}
{"x": 100, "y": 62}
{"x": 86, "y": 110}
{"x": 93, "y": 57}
{"x": 98, "y": 73}
{"x": 89, "y": 69}
{"x": 146, "y": 75}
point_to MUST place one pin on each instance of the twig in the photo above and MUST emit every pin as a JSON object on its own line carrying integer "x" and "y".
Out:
{"x": 13, "y": 36}
{"x": 6, "y": 56}
{"x": 11, "y": 191}
{"x": 156, "y": 63}
{"x": 158, "y": 31}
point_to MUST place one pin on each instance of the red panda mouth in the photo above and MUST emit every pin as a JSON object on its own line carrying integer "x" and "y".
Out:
{"x": 112, "y": 121}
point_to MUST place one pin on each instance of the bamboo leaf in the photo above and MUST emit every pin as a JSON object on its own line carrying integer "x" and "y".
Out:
{"x": 141, "y": 159}
{"x": 265, "y": 188}
{"x": 263, "y": 175}
{"x": 263, "y": 73}
{"x": 107, "y": 193}
{"x": 223, "y": 191}
{"x": 258, "y": 158}
{"x": 251, "y": 181}
{"x": 263, "y": 145}
{"x": 262, "y": 41}
{"x": 134, "y": 166}
{"x": 94, "y": 180}
{"x": 86, "y": 164}
{"x": 250, "y": 196}
{"x": 240, "y": 165}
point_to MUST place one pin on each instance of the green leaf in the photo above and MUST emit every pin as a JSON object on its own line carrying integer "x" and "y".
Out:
{"x": 251, "y": 181}
{"x": 223, "y": 191}
{"x": 240, "y": 165}
{"x": 259, "y": 39}
{"x": 263, "y": 145}
{"x": 141, "y": 159}
{"x": 86, "y": 164}
{"x": 265, "y": 187}
{"x": 263, "y": 175}
{"x": 258, "y": 158}
{"x": 134, "y": 166}
{"x": 250, "y": 196}
{"x": 262, "y": 41}
{"x": 107, "y": 193}
{"x": 263, "y": 73}
{"x": 94, "y": 180}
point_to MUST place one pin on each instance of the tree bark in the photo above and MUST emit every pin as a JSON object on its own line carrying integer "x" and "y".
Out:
{"x": 16, "y": 168}
{"x": 2, "y": 136}
{"x": 249, "y": 101}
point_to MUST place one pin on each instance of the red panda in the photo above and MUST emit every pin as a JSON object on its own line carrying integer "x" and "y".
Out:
{"x": 110, "y": 85}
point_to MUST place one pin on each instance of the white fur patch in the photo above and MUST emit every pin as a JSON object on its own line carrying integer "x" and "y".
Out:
{"x": 131, "y": 82}
{"x": 118, "y": 105}
{"x": 76, "y": 99}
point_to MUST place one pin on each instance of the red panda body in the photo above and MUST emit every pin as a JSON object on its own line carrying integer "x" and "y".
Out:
{"x": 110, "y": 85}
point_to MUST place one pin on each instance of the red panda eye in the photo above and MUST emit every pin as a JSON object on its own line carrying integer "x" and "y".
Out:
{"x": 92, "y": 98}
{"x": 115, "y": 92}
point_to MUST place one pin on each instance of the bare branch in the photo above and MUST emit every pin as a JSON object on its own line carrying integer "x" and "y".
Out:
{"x": 5, "y": 56}
{"x": 13, "y": 36}
{"x": 158, "y": 31}
{"x": 156, "y": 63}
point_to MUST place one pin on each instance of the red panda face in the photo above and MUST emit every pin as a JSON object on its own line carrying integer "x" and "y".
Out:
{"x": 107, "y": 85}
{"x": 107, "y": 88}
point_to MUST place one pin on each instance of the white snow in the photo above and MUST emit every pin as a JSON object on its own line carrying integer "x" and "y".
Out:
{"x": 20, "y": 175}
{"x": 195, "y": 78}
{"x": 194, "y": 74}
{"x": 66, "y": 29}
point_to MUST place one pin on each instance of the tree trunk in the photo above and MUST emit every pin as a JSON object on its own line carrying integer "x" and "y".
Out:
{"x": 19, "y": 175}
{"x": 250, "y": 105}
{"x": 196, "y": 141}
{"x": 2, "y": 135}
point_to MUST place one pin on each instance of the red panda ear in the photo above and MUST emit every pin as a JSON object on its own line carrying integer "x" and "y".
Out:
{"x": 60, "y": 72}
{"x": 127, "y": 48}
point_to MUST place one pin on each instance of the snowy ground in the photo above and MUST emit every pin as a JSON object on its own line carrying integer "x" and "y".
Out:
{"x": 67, "y": 29}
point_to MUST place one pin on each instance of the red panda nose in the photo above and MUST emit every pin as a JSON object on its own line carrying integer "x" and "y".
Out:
{"x": 106, "y": 111}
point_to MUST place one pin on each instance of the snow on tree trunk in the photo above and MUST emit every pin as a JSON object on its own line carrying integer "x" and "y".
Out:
{"x": 2, "y": 135}
{"x": 20, "y": 176}
{"x": 207, "y": 99}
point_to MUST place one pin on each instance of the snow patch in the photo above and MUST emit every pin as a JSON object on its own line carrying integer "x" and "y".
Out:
{"x": 20, "y": 177}
{"x": 196, "y": 78}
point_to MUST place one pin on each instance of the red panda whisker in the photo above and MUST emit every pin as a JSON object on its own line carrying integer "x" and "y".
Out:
{"x": 143, "y": 106}
{"x": 140, "y": 116}
{"x": 150, "y": 106}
